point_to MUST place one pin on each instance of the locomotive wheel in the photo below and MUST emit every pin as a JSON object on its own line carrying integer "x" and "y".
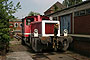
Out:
{"x": 33, "y": 44}
{"x": 30, "y": 42}
{"x": 55, "y": 48}
{"x": 65, "y": 45}
{"x": 23, "y": 42}
{"x": 36, "y": 45}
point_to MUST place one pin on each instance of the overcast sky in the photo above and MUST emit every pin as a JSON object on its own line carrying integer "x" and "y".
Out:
{"x": 33, "y": 5}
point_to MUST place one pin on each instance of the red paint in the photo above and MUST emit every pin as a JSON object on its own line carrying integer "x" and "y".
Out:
{"x": 36, "y": 24}
{"x": 11, "y": 26}
{"x": 49, "y": 28}
{"x": 27, "y": 29}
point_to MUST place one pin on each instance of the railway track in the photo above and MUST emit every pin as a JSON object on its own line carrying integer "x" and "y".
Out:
{"x": 58, "y": 56}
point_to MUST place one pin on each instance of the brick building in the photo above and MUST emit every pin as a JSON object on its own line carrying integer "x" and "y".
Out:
{"x": 17, "y": 24}
{"x": 58, "y": 5}
{"x": 76, "y": 19}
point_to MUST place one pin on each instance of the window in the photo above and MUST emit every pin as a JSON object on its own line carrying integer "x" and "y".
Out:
{"x": 15, "y": 24}
{"x": 11, "y": 24}
{"x": 76, "y": 13}
{"x": 87, "y": 11}
{"x": 45, "y": 18}
{"x": 20, "y": 24}
{"x": 54, "y": 18}
{"x": 29, "y": 20}
{"x": 32, "y": 19}
{"x": 82, "y": 12}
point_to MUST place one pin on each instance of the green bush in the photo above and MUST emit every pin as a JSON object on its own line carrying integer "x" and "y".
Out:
{"x": 6, "y": 10}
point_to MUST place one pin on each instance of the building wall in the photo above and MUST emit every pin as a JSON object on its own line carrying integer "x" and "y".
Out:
{"x": 52, "y": 8}
{"x": 82, "y": 24}
{"x": 48, "y": 12}
{"x": 76, "y": 21}
{"x": 18, "y": 28}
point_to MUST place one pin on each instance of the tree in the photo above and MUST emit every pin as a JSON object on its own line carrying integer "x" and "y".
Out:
{"x": 7, "y": 9}
{"x": 33, "y": 13}
{"x": 68, "y": 3}
{"x": 65, "y": 3}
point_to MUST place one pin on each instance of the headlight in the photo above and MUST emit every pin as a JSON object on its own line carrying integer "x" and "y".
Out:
{"x": 35, "y": 32}
{"x": 65, "y": 32}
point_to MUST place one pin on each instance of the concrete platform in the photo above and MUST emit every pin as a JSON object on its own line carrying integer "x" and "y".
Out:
{"x": 81, "y": 44}
{"x": 18, "y": 56}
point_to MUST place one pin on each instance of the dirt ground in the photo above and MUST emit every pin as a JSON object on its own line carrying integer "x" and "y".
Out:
{"x": 15, "y": 46}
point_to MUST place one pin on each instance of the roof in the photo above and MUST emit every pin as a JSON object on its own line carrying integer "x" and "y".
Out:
{"x": 58, "y": 4}
{"x": 82, "y": 3}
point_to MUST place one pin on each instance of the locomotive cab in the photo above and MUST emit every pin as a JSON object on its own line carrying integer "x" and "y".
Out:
{"x": 26, "y": 25}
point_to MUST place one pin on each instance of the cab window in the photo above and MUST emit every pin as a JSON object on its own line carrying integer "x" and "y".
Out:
{"x": 15, "y": 24}
{"x": 29, "y": 20}
{"x": 45, "y": 18}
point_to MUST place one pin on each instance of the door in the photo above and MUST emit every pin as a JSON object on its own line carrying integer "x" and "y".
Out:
{"x": 65, "y": 23}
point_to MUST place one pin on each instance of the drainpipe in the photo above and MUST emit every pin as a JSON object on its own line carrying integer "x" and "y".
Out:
{"x": 57, "y": 18}
{"x": 73, "y": 21}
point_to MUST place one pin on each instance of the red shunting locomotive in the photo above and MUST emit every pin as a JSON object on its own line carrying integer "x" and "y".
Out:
{"x": 40, "y": 33}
